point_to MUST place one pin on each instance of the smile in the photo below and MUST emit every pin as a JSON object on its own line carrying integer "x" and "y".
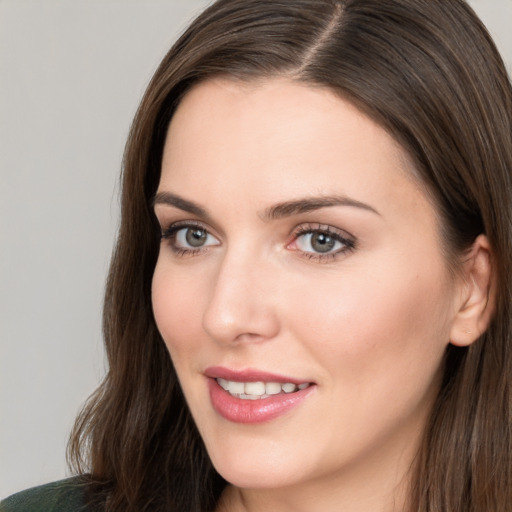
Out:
{"x": 259, "y": 390}
{"x": 254, "y": 396}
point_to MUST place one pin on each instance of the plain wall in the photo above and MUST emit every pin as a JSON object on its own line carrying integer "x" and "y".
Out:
{"x": 71, "y": 75}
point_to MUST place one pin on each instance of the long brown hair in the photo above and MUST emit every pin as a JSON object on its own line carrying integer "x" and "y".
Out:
{"x": 429, "y": 73}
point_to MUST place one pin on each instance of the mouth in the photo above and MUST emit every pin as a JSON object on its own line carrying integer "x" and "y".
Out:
{"x": 259, "y": 390}
{"x": 253, "y": 396}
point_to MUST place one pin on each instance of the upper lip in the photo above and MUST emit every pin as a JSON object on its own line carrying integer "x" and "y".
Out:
{"x": 249, "y": 375}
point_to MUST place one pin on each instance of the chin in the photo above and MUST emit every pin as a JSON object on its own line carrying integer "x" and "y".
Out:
{"x": 259, "y": 469}
{"x": 258, "y": 478}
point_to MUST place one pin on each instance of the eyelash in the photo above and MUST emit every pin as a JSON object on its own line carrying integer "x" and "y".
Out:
{"x": 169, "y": 234}
{"x": 347, "y": 241}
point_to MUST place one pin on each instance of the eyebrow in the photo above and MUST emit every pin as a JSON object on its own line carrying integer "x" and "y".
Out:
{"x": 178, "y": 202}
{"x": 309, "y": 204}
{"x": 278, "y": 211}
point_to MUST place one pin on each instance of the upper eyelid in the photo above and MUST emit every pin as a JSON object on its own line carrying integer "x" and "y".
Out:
{"x": 325, "y": 228}
{"x": 182, "y": 224}
{"x": 306, "y": 206}
{"x": 298, "y": 230}
{"x": 166, "y": 221}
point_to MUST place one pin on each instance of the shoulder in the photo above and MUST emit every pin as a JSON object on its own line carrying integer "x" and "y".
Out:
{"x": 62, "y": 496}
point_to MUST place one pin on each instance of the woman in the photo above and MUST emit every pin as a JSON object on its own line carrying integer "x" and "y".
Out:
{"x": 315, "y": 226}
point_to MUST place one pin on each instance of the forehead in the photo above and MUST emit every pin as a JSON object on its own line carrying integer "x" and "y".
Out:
{"x": 278, "y": 130}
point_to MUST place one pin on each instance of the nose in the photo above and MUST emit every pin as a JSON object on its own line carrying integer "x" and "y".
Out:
{"x": 241, "y": 302}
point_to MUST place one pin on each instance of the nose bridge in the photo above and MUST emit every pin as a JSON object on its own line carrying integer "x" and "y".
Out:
{"x": 240, "y": 303}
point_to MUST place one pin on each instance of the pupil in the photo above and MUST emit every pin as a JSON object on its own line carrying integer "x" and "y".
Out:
{"x": 196, "y": 237}
{"x": 322, "y": 242}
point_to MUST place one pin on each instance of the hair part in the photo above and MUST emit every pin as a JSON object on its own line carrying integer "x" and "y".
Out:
{"x": 428, "y": 73}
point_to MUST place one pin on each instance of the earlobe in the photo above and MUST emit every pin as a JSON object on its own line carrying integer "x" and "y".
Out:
{"x": 478, "y": 293}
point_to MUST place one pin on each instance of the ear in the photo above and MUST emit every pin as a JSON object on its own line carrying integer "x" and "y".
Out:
{"x": 478, "y": 295}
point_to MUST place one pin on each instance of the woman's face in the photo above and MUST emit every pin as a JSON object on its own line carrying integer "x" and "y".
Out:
{"x": 301, "y": 268}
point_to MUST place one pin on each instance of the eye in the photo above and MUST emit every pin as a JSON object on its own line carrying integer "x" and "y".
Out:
{"x": 193, "y": 237}
{"x": 321, "y": 242}
{"x": 188, "y": 238}
{"x": 318, "y": 242}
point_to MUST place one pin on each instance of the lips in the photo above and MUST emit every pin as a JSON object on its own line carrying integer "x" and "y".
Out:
{"x": 253, "y": 396}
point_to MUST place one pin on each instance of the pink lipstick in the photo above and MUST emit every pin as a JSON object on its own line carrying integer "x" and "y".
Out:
{"x": 254, "y": 396}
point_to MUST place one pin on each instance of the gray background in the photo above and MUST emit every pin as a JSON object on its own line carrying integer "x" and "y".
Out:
{"x": 71, "y": 75}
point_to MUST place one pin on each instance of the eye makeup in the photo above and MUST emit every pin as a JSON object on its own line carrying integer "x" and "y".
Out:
{"x": 319, "y": 242}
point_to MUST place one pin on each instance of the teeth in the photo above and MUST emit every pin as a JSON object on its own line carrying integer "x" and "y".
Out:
{"x": 254, "y": 388}
{"x": 237, "y": 388}
{"x": 223, "y": 383}
{"x": 249, "y": 397}
{"x": 257, "y": 390}
{"x": 289, "y": 388}
{"x": 272, "y": 388}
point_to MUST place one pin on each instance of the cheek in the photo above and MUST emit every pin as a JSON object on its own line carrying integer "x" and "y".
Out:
{"x": 176, "y": 309}
{"x": 380, "y": 343}
{"x": 372, "y": 322}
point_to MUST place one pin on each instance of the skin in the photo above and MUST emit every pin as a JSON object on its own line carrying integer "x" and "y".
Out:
{"x": 368, "y": 325}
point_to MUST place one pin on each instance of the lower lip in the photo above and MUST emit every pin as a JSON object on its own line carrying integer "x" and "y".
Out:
{"x": 239, "y": 410}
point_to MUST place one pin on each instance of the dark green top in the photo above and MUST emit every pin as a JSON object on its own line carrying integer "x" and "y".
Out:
{"x": 62, "y": 496}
